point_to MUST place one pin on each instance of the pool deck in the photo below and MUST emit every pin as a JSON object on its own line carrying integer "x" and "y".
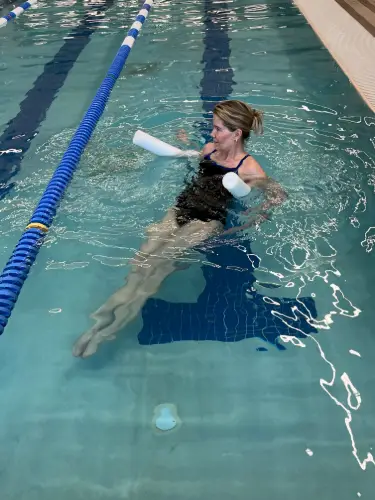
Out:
{"x": 363, "y": 11}
{"x": 347, "y": 29}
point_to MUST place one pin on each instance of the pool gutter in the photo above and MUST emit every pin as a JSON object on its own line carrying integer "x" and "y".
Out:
{"x": 349, "y": 43}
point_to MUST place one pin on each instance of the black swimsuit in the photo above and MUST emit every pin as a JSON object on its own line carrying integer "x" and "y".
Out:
{"x": 205, "y": 198}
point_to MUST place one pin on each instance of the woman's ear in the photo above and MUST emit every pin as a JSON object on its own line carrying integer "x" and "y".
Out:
{"x": 237, "y": 134}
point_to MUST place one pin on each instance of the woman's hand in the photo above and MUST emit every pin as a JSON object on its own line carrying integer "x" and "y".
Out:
{"x": 253, "y": 221}
{"x": 274, "y": 194}
{"x": 182, "y": 136}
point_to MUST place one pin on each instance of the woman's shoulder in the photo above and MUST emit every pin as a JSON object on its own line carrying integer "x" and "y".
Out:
{"x": 208, "y": 149}
{"x": 251, "y": 167}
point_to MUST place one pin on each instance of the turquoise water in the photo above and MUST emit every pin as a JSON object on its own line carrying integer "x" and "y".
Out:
{"x": 274, "y": 424}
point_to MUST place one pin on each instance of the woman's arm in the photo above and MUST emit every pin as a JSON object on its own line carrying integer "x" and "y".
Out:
{"x": 183, "y": 137}
{"x": 274, "y": 194}
{"x": 254, "y": 175}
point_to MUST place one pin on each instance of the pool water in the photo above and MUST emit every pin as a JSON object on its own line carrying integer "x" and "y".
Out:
{"x": 263, "y": 346}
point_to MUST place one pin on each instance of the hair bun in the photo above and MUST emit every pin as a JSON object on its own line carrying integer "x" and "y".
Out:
{"x": 257, "y": 125}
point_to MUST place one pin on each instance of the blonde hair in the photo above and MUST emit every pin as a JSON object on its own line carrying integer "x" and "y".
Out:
{"x": 239, "y": 115}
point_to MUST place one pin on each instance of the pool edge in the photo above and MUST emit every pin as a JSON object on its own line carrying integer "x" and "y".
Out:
{"x": 349, "y": 43}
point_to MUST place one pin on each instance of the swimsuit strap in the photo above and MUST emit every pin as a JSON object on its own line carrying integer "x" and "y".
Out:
{"x": 208, "y": 157}
{"x": 241, "y": 161}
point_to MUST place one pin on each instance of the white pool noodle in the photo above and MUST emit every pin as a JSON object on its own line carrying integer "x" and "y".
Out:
{"x": 231, "y": 181}
{"x": 158, "y": 147}
{"x": 235, "y": 185}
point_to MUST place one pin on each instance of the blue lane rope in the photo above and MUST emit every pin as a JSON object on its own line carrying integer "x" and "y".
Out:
{"x": 16, "y": 12}
{"x": 24, "y": 255}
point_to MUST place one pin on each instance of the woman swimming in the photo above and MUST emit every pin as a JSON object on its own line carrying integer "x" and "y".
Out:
{"x": 199, "y": 213}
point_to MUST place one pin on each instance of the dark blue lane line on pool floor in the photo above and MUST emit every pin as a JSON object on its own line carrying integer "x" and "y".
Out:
{"x": 22, "y": 129}
{"x": 229, "y": 309}
{"x": 217, "y": 82}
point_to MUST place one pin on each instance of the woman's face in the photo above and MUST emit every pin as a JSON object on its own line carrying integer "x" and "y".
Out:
{"x": 222, "y": 137}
